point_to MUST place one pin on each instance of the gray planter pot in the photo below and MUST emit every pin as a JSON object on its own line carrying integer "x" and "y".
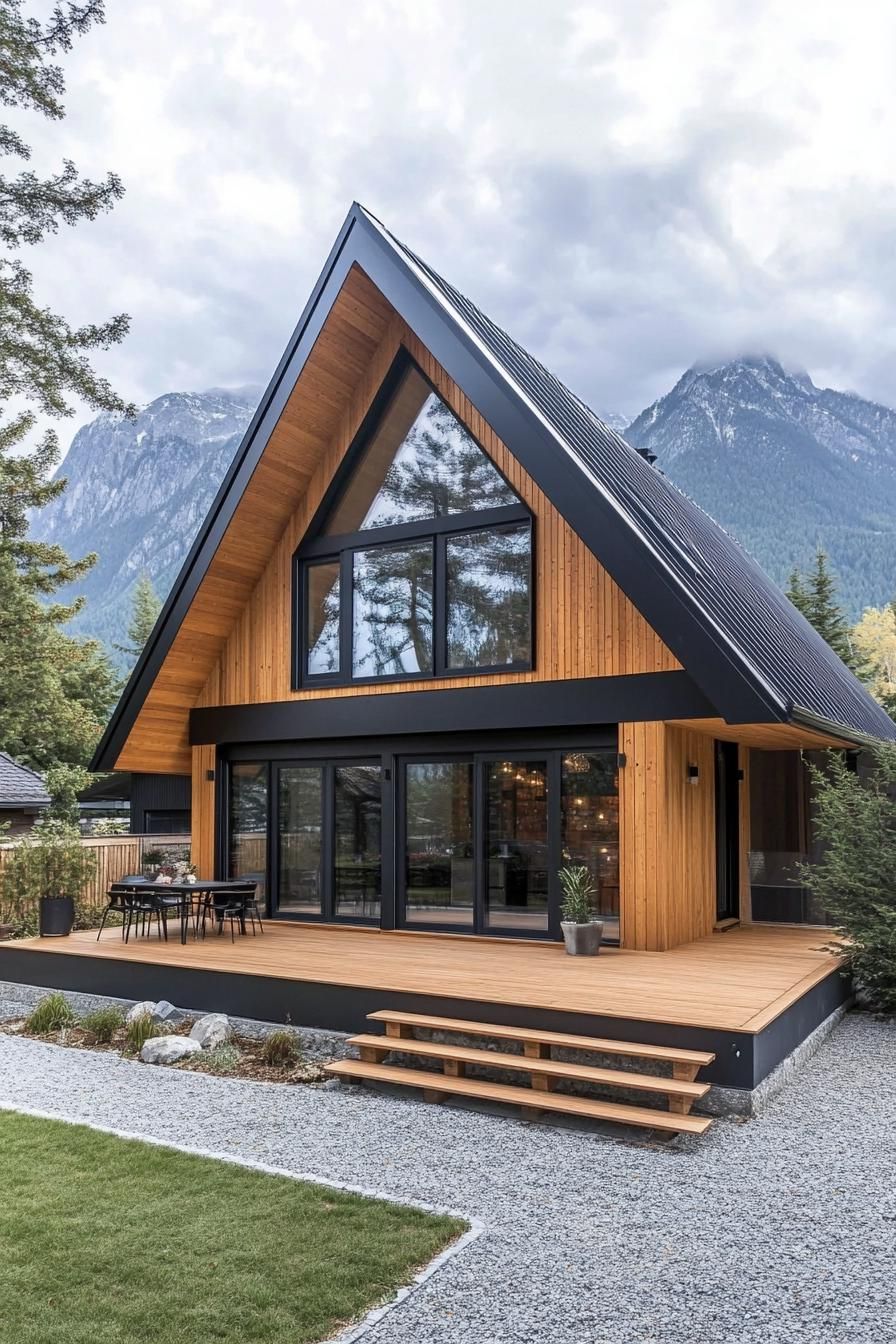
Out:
{"x": 583, "y": 940}
{"x": 56, "y": 915}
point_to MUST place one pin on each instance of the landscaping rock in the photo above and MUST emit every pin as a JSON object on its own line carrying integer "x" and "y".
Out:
{"x": 212, "y": 1030}
{"x": 166, "y": 1014}
{"x": 143, "y": 1009}
{"x": 168, "y": 1049}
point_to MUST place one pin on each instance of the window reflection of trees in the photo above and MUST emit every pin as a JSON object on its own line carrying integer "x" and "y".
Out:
{"x": 438, "y": 469}
{"x": 488, "y": 597}
{"x": 392, "y": 613}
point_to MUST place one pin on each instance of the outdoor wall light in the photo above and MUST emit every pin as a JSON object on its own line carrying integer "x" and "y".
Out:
{"x": 693, "y": 774}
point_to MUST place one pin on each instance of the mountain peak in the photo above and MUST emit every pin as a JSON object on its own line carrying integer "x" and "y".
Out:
{"x": 784, "y": 465}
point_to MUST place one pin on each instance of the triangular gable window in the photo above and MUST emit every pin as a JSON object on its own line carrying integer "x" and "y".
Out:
{"x": 420, "y": 463}
{"x": 423, "y": 564}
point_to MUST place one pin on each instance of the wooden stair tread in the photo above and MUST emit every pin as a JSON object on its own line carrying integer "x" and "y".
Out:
{"x": 558, "y": 1038}
{"x": 519, "y": 1096}
{"x": 586, "y": 1073}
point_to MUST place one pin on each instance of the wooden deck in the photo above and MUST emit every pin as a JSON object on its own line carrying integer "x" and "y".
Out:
{"x": 740, "y": 980}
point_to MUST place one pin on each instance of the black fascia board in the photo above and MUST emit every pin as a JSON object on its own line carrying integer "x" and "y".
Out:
{"x": 739, "y": 696}
{"x": 511, "y": 706}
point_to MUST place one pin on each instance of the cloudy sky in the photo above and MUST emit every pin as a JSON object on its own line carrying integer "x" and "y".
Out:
{"x": 627, "y": 186}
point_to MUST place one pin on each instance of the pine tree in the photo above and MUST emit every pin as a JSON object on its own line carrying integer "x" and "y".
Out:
{"x": 825, "y": 612}
{"x": 815, "y": 595}
{"x": 55, "y": 691}
{"x": 42, "y": 357}
{"x": 145, "y": 610}
{"x": 796, "y": 592}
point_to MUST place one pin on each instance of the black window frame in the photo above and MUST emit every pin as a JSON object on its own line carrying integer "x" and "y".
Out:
{"x": 393, "y": 754}
{"x": 340, "y": 550}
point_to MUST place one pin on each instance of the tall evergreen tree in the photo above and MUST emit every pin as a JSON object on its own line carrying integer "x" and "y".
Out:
{"x": 814, "y": 593}
{"x": 796, "y": 591}
{"x": 55, "y": 691}
{"x": 145, "y": 609}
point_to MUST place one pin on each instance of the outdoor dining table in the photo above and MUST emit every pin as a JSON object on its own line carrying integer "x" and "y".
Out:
{"x": 188, "y": 892}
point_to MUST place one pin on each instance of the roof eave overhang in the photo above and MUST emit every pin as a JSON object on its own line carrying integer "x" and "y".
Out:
{"x": 850, "y": 737}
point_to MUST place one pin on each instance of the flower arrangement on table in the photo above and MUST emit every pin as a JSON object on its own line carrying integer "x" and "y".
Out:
{"x": 176, "y": 872}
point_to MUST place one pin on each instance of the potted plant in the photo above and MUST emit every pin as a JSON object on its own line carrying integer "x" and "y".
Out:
{"x": 582, "y": 933}
{"x": 49, "y": 868}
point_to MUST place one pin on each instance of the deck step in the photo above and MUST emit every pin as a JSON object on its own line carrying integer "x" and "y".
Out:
{"x": 437, "y": 1086}
{"x": 694, "y": 1059}
{"x": 374, "y": 1048}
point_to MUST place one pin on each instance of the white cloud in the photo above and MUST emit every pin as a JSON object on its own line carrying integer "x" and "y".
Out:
{"x": 626, "y": 187}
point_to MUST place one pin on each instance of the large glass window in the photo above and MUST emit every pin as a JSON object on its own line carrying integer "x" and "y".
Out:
{"x": 439, "y": 877}
{"x": 422, "y": 567}
{"x": 420, "y": 463}
{"x": 300, "y": 840}
{"x": 358, "y": 841}
{"x": 248, "y": 822}
{"x": 488, "y": 597}
{"x": 590, "y": 822}
{"x": 517, "y": 845}
{"x": 322, "y": 618}
{"x": 392, "y": 610}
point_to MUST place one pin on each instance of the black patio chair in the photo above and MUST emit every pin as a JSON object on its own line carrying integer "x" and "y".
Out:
{"x": 142, "y": 905}
{"x": 252, "y": 907}
{"x": 115, "y": 905}
{"x": 233, "y": 905}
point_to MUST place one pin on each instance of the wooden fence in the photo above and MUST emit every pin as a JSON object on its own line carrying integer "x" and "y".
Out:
{"x": 119, "y": 856}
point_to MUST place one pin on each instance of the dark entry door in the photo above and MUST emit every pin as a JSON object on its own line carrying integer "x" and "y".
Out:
{"x": 727, "y": 832}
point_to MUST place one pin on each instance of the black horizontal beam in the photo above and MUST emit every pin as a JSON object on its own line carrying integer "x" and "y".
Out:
{"x": 517, "y": 706}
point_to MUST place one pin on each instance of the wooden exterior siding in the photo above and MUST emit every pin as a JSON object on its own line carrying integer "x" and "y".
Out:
{"x": 335, "y": 369}
{"x": 202, "y": 852}
{"x": 584, "y": 624}
{"x": 666, "y": 836}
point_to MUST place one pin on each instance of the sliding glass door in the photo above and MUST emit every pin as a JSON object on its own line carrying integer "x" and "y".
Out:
{"x": 438, "y": 843}
{"x": 464, "y": 842}
{"x": 300, "y": 839}
{"x": 356, "y": 844}
{"x": 328, "y": 832}
{"x": 517, "y": 844}
{"x": 482, "y": 838}
{"x": 589, "y": 799}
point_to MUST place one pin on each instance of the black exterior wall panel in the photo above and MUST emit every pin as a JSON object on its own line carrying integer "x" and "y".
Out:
{"x": 515, "y": 706}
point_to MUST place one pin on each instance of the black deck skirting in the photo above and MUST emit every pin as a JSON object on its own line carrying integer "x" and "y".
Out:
{"x": 742, "y": 1059}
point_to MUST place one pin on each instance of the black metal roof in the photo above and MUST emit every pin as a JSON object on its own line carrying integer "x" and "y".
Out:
{"x": 20, "y": 786}
{"x": 749, "y": 651}
{"x": 736, "y": 595}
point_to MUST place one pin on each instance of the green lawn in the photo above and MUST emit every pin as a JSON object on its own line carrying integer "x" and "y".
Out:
{"x": 108, "y": 1241}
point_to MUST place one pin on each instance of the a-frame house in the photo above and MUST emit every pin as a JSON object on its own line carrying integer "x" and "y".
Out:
{"x": 443, "y": 632}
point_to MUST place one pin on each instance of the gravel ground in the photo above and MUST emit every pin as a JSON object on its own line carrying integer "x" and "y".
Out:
{"x": 780, "y": 1229}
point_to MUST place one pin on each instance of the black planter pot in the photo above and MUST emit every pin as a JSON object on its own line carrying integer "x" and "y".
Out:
{"x": 57, "y": 916}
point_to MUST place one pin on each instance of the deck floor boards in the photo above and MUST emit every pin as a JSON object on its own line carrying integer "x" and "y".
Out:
{"x": 738, "y": 980}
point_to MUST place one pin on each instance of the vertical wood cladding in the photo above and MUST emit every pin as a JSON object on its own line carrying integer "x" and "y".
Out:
{"x": 585, "y": 626}
{"x": 202, "y": 849}
{"x": 667, "y": 836}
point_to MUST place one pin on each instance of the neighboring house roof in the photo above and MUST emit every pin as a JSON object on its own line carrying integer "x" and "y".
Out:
{"x": 754, "y": 657}
{"x": 20, "y": 786}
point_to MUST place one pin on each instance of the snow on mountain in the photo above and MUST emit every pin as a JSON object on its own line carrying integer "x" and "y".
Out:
{"x": 785, "y": 466}
{"x": 137, "y": 493}
{"x": 782, "y": 464}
